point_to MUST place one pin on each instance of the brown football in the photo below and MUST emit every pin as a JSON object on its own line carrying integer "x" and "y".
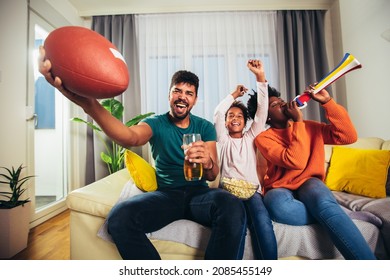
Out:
{"x": 87, "y": 63}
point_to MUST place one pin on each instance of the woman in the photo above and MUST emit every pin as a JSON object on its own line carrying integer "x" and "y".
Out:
{"x": 294, "y": 182}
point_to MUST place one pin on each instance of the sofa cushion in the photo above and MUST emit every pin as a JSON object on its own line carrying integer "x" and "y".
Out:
{"x": 363, "y": 216}
{"x": 143, "y": 174}
{"x": 379, "y": 207}
{"x": 358, "y": 171}
{"x": 191, "y": 233}
{"x": 371, "y": 143}
{"x": 129, "y": 189}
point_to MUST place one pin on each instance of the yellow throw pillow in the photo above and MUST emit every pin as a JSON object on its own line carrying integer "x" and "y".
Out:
{"x": 358, "y": 171}
{"x": 142, "y": 173}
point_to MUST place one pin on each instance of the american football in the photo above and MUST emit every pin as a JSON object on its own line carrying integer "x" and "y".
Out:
{"x": 87, "y": 63}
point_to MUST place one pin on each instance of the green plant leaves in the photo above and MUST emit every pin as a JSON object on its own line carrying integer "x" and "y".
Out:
{"x": 105, "y": 158}
{"x": 114, "y": 153}
{"x": 113, "y": 106}
{"x": 16, "y": 185}
{"x": 91, "y": 125}
{"x": 138, "y": 118}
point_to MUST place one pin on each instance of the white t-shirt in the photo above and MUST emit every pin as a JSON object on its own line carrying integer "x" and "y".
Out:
{"x": 237, "y": 156}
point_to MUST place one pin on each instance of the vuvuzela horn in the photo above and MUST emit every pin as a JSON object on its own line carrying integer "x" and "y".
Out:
{"x": 347, "y": 64}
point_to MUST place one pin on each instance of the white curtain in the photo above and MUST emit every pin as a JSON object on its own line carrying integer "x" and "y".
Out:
{"x": 215, "y": 46}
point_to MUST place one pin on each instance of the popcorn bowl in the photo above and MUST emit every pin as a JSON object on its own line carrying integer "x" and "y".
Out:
{"x": 239, "y": 188}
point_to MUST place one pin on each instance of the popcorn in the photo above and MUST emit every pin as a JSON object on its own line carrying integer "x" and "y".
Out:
{"x": 240, "y": 188}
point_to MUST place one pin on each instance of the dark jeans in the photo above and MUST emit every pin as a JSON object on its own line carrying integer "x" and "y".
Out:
{"x": 261, "y": 228}
{"x": 314, "y": 202}
{"x": 215, "y": 208}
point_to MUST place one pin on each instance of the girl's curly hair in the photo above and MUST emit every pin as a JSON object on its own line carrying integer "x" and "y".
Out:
{"x": 242, "y": 107}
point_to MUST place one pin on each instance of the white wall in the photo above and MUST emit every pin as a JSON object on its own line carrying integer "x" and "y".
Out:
{"x": 13, "y": 62}
{"x": 367, "y": 91}
{"x": 13, "y": 73}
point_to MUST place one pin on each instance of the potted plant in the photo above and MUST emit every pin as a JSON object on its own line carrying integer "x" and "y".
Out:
{"x": 14, "y": 213}
{"x": 114, "y": 153}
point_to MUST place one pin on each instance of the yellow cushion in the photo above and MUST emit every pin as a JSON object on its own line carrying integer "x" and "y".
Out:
{"x": 142, "y": 173}
{"x": 358, "y": 171}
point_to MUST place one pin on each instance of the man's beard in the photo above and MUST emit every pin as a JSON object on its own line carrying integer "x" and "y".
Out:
{"x": 179, "y": 117}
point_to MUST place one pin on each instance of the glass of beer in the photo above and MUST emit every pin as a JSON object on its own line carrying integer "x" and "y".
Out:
{"x": 192, "y": 171}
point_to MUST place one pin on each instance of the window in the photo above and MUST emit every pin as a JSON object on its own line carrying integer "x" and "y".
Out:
{"x": 215, "y": 46}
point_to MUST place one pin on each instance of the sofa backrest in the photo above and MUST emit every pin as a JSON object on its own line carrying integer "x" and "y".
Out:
{"x": 371, "y": 143}
{"x": 386, "y": 145}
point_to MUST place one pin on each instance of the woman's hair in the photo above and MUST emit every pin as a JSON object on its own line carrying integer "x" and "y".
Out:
{"x": 252, "y": 101}
{"x": 241, "y": 106}
{"x": 273, "y": 92}
{"x": 252, "y": 104}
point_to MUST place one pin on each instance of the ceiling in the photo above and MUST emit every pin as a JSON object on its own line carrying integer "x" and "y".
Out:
{"x": 87, "y": 8}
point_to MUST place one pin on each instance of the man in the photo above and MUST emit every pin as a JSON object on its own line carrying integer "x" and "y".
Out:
{"x": 175, "y": 197}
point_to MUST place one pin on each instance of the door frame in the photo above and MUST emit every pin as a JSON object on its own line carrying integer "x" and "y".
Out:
{"x": 45, "y": 213}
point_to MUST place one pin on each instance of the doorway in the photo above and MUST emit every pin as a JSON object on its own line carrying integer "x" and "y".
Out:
{"x": 48, "y": 132}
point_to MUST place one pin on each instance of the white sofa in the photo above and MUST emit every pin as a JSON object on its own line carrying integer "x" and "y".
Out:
{"x": 185, "y": 239}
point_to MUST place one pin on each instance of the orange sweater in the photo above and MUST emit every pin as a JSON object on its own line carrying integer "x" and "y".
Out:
{"x": 296, "y": 153}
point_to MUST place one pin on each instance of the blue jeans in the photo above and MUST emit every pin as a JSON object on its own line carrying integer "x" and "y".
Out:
{"x": 215, "y": 208}
{"x": 262, "y": 232}
{"x": 314, "y": 202}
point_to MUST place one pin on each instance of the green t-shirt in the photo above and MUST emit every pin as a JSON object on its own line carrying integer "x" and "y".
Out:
{"x": 166, "y": 148}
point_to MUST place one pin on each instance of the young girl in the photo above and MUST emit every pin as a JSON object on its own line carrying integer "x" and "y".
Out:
{"x": 238, "y": 157}
{"x": 295, "y": 192}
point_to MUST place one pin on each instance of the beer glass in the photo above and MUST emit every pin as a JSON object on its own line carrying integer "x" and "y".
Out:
{"x": 192, "y": 171}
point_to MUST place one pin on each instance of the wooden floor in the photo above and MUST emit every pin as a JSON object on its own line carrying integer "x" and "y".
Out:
{"x": 49, "y": 240}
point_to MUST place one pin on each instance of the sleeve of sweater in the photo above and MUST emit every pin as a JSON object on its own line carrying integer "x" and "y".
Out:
{"x": 219, "y": 117}
{"x": 340, "y": 130}
{"x": 289, "y": 150}
{"x": 258, "y": 124}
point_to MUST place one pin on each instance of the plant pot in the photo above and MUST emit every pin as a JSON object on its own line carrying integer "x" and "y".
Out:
{"x": 14, "y": 229}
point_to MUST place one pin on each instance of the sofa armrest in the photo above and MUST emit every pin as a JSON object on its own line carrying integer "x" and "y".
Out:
{"x": 98, "y": 198}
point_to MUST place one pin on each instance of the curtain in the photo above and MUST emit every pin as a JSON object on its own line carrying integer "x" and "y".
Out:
{"x": 216, "y": 47}
{"x": 302, "y": 55}
{"x": 213, "y": 45}
{"x": 120, "y": 30}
